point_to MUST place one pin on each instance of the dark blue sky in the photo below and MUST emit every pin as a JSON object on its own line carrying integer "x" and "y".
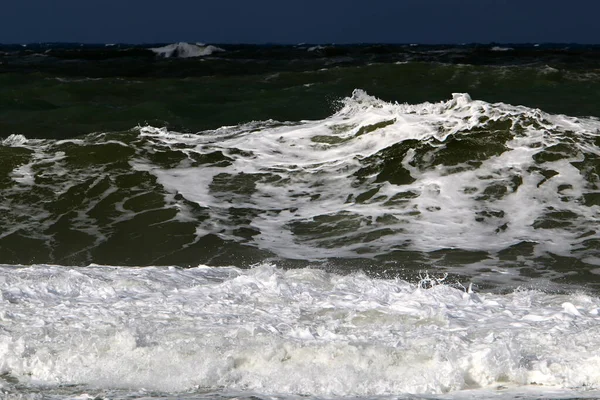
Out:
{"x": 294, "y": 21}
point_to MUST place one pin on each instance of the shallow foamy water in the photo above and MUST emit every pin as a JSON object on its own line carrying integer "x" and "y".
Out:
{"x": 271, "y": 332}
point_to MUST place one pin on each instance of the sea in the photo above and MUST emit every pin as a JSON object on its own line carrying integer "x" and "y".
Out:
{"x": 299, "y": 222}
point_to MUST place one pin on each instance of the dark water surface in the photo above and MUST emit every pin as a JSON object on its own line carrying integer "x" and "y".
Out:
{"x": 59, "y": 91}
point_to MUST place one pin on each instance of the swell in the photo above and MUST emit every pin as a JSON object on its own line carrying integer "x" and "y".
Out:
{"x": 492, "y": 191}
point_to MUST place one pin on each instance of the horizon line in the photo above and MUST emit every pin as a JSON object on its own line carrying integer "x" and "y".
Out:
{"x": 492, "y": 43}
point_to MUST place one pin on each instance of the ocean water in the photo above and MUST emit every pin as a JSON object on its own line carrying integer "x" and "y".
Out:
{"x": 282, "y": 222}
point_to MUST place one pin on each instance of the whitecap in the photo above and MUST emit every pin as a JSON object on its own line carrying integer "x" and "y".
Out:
{"x": 186, "y": 50}
{"x": 14, "y": 140}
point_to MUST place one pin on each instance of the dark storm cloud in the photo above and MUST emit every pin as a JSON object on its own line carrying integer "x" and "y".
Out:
{"x": 324, "y": 21}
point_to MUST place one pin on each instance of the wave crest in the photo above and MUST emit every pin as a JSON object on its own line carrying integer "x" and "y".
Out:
{"x": 186, "y": 50}
{"x": 14, "y": 140}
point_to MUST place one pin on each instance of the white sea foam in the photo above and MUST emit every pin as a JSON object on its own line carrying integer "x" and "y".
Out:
{"x": 296, "y": 332}
{"x": 35, "y": 218}
{"x": 186, "y": 50}
{"x": 14, "y": 140}
{"x": 315, "y": 163}
{"x": 23, "y": 175}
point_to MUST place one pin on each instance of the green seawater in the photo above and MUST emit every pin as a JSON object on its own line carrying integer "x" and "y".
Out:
{"x": 61, "y": 91}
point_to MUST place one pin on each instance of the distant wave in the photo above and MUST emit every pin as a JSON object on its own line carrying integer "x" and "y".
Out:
{"x": 186, "y": 50}
{"x": 315, "y": 48}
{"x": 14, "y": 140}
